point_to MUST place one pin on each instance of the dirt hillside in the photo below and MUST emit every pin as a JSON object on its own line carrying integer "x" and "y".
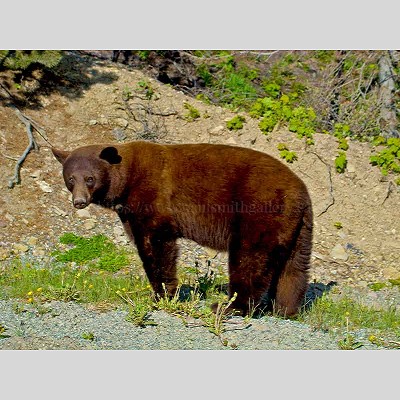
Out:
{"x": 109, "y": 102}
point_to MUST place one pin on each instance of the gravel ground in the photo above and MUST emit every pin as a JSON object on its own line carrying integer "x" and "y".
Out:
{"x": 62, "y": 325}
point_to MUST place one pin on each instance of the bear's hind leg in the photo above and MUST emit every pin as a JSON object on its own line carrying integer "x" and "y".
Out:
{"x": 293, "y": 281}
{"x": 249, "y": 277}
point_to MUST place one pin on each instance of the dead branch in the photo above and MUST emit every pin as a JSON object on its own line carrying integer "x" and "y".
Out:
{"x": 29, "y": 124}
{"x": 16, "y": 179}
{"x": 332, "y": 197}
{"x": 143, "y": 111}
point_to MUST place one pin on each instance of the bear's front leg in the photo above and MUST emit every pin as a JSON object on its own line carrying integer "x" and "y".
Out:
{"x": 159, "y": 262}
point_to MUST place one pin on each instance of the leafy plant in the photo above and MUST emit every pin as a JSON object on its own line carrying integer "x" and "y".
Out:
{"x": 343, "y": 145}
{"x": 3, "y": 330}
{"x": 272, "y": 89}
{"x": 341, "y": 162}
{"x": 139, "y": 309}
{"x": 376, "y": 286}
{"x": 147, "y": 89}
{"x": 388, "y": 159}
{"x": 236, "y": 122}
{"x": 192, "y": 113}
{"x": 302, "y": 121}
{"x": 287, "y": 155}
{"x": 341, "y": 130}
{"x": 88, "y": 336}
{"x": 338, "y": 225}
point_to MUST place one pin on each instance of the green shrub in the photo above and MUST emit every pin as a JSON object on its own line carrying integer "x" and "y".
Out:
{"x": 341, "y": 162}
{"x": 236, "y": 123}
{"x": 302, "y": 121}
{"x": 23, "y": 59}
{"x": 343, "y": 145}
{"x": 288, "y": 156}
{"x": 272, "y": 89}
{"x": 192, "y": 113}
{"x": 341, "y": 131}
{"x": 388, "y": 159}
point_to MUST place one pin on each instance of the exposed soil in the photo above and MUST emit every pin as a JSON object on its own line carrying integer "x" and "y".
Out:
{"x": 89, "y": 107}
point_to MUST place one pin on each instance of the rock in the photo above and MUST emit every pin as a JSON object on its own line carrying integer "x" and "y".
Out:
{"x": 211, "y": 252}
{"x": 32, "y": 241}
{"x": 118, "y": 231}
{"x": 92, "y": 122}
{"x": 314, "y": 254}
{"x": 3, "y": 254}
{"x": 20, "y": 247}
{"x": 351, "y": 168}
{"x": 217, "y": 130}
{"x": 122, "y": 122}
{"x": 35, "y": 174}
{"x": 339, "y": 253}
{"x": 83, "y": 213}
{"x": 231, "y": 140}
{"x": 10, "y": 217}
{"x": 38, "y": 252}
{"x": 3, "y": 223}
{"x": 59, "y": 212}
{"x": 119, "y": 134}
{"x": 89, "y": 224}
{"x": 391, "y": 273}
{"x": 45, "y": 186}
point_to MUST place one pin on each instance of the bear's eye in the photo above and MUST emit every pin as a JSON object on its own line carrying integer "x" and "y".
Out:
{"x": 71, "y": 179}
{"x": 89, "y": 179}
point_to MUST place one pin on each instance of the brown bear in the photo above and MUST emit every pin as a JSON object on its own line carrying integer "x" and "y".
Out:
{"x": 228, "y": 198}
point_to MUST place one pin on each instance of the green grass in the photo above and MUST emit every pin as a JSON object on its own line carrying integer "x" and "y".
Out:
{"x": 98, "y": 250}
{"x": 66, "y": 283}
{"x": 345, "y": 315}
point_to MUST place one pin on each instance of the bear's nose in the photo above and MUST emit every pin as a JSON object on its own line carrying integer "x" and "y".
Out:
{"x": 80, "y": 203}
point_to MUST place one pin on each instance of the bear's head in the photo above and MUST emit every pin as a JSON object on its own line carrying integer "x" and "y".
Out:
{"x": 86, "y": 172}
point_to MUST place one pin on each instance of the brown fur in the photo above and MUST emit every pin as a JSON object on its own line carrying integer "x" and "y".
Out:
{"x": 228, "y": 198}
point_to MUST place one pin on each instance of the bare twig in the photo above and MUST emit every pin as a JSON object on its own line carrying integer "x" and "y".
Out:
{"x": 332, "y": 198}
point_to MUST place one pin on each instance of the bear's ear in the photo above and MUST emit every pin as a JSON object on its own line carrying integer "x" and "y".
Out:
{"x": 110, "y": 154}
{"x": 60, "y": 155}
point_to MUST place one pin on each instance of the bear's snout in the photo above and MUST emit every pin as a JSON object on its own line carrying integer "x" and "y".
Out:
{"x": 80, "y": 203}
